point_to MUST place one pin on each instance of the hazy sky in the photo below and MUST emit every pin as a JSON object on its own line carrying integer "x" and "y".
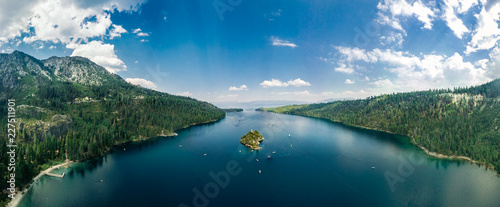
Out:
{"x": 244, "y": 50}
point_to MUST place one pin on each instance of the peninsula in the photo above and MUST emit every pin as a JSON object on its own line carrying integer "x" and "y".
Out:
{"x": 252, "y": 139}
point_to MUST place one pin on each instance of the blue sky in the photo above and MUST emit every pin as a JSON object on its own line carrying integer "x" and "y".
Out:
{"x": 241, "y": 50}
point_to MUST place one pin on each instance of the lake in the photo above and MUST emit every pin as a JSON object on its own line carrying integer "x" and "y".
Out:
{"x": 316, "y": 163}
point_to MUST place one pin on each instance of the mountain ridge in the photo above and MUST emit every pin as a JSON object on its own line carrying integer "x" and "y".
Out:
{"x": 72, "y": 108}
{"x": 463, "y": 122}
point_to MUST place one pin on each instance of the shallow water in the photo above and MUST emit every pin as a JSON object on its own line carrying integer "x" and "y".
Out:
{"x": 317, "y": 163}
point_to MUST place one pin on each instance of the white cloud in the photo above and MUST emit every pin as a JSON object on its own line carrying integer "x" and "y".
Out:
{"x": 298, "y": 83}
{"x": 135, "y": 31}
{"x": 278, "y": 42}
{"x": 66, "y": 21}
{"x": 241, "y": 88}
{"x": 352, "y": 54}
{"x": 344, "y": 69}
{"x": 273, "y": 83}
{"x": 392, "y": 12}
{"x": 419, "y": 72}
{"x": 184, "y": 94}
{"x": 70, "y": 22}
{"x": 100, "y": 53}
{"x": 450, "y": 9}
{"x": 116, "y": 31}
{"x": 142, "y": 34}
{"x": 52, "y": 47}
{"x": 349, "y": 81}
{"x": 136, "y": 62}
{"x": 277, "y": 83}
{"x": 487, "y": 32}
{"x": 392, "y": 37}
{"x": 493, "y": 66}
{"x": 141, "y": 82}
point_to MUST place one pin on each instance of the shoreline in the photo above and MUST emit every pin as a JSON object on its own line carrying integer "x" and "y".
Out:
{"x": 425, "y": 150}
{"x": 20, "y": 194}
{"x": 430, "y": 153}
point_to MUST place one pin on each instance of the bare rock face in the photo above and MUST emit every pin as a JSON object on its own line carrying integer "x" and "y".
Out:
{"x": 77, "y": 69}
{"x": 56, "y": 127}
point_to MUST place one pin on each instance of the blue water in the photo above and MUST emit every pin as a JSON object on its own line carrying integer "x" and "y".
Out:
{"x": 317, "y": 163}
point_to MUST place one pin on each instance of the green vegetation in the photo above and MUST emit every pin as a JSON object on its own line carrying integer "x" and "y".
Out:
{"x": 233, "y": 110}
{"x": 459, "y": 122}
{"x": 252, "y": 139}
{"x": 63, "y": 119}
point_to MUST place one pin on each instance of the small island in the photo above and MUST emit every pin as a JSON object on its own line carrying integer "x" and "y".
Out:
{"x": 233, "y": 110}
{"x": 252, "y": 139}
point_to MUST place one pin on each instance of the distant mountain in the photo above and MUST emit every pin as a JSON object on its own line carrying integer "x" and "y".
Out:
{"x": 72, "y": 108}
{"x": 459, "y": 122}
{"x": 256, "y": 104}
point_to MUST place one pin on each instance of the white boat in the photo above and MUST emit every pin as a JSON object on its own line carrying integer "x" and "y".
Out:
{"x": 257, "y": 160}
{"x": 373, "y": 168}
{"x": 260, "y": 171}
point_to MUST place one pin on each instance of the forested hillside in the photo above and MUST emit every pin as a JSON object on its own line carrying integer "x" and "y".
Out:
{"x": 71, "y": 108}
{"x": 458, "y": 122}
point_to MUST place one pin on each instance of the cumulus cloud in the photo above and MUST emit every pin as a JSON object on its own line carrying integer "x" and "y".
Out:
{"x": 392, "y": 12}
{"x": 116, "y": 31}
{"x": 277, "y": 83}
{"x": 141, "y": 82}
{"x": 487, "y": 32}
{"x": 392, "y": 37}
{"x": 451, "y": 8}
{"x": 419, "y": 72}
{"x": 100, "y": 53}
{"x": 70, "y": 22}
{"x": 187, "y": 94}
{"x": 298, "y": 83}
{"x": 349, "y": 81}
{"x": 278, "y": 42}
{"x": 343, "y": 68}
{"x": 241, "y": 88}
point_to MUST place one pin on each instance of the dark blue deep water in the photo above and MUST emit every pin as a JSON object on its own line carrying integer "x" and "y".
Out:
{"x": 317, "y": 163}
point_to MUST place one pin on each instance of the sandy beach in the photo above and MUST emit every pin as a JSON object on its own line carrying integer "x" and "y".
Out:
{"x": 19, "y": 195}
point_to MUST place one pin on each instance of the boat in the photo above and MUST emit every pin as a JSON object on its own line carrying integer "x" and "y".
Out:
{"x": 269, "y": 157}
{"x": 274, "y": 152}
{"x": 205, "y": 154}
{"x": 180, "y": 145}
{"x": 257, "y": 160}
{"x": 373, "y": 168}
{"x": 289, "y": 135}
{"x": 260, "y": 171}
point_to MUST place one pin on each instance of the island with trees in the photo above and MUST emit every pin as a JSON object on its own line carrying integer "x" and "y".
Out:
{"x": 252, "y": 139}
{"x": 233, "y": 110}
{"x": 460, "y": 123}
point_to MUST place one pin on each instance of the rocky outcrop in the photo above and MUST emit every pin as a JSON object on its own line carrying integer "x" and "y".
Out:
{"x": 56, "y": 126}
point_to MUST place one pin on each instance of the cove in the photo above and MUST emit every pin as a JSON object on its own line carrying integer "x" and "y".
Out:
{"x": 316, "y": 163}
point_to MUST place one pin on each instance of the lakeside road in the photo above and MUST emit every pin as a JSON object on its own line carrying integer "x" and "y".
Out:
{"x": 20, "y": 194}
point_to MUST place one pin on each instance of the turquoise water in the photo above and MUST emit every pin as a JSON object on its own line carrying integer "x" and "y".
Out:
{"x": 317, "y": 163}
